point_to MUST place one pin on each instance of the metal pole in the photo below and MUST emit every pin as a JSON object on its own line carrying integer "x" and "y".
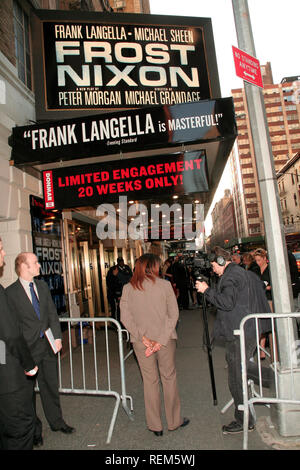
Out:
{"x": 209, "y": 351}
{"x": 274, "y": 233}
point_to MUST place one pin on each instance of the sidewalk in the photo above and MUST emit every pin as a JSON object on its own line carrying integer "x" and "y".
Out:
{"x": 91, "y": 415}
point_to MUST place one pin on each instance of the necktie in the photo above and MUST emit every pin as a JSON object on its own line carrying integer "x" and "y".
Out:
{"x": 35, "y": 300}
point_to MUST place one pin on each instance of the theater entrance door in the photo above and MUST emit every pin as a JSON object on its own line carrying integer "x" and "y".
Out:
{"x": 84, "y": 268}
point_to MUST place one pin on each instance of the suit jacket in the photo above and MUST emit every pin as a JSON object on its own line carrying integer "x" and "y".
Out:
{"x": 31, "y": 326}
{"x": 152, "y": 312}
{"x": 15, "y": 354}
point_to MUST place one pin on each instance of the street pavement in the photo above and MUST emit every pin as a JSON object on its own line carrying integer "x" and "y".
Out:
{"x": 91, "y": 415}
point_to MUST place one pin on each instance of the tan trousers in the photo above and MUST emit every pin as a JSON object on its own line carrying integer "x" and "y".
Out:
{"x": 160, "y": 366}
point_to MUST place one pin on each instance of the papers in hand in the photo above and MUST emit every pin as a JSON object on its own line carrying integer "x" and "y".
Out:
{"x": 50, "y": 338}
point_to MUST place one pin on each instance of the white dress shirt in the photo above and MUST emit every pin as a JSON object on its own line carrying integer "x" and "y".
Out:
{"x": 26, "y": 287}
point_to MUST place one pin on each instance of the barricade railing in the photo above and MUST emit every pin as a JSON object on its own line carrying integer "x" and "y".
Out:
{"x": 88, "y": 362}
{"x": 258, "y": 393}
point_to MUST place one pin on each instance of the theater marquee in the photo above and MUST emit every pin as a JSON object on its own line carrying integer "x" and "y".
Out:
{"x": 124, "y": 131}
{"x": 88, "y": 61}
{"x": 183, "y": 173}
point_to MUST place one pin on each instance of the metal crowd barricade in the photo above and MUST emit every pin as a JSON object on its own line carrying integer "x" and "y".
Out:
{"x": 258, "y": 394}
{"x": 91, "y": 367}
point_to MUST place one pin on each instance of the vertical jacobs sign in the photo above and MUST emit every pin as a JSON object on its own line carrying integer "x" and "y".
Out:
{"x": 87, "y": 60}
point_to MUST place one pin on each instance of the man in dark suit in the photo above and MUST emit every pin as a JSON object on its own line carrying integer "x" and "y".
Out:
{"x": 32, "y": 302}
{"x": 16, "y": 406}
{"x": 124, "y": 272}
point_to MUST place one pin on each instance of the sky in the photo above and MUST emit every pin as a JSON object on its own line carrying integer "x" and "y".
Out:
{"x": 275, "y": 27}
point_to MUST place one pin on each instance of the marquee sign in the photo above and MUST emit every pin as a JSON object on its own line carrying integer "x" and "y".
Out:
{"x": 132, "y": 130}
{"x": 94, "y": 61}
{"x": 136, "y": 178}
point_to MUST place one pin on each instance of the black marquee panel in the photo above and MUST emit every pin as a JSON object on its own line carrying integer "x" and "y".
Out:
{"x": 90, "y": 185}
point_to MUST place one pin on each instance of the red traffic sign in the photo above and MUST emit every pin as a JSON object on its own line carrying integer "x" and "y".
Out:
{"x": 247, "y": 67}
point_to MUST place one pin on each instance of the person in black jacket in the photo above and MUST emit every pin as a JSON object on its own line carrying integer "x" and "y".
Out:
{"x": 114, "y": 291}
{"x": 294, "y": 278}
{"x": 124, "y": 272}
{"x": 31, "y": 300}
{"x": 237, "y": 294}
{"x": 182, "y": 281}
{"x": 16, "y": 406}
{"x": 250, "y": 263}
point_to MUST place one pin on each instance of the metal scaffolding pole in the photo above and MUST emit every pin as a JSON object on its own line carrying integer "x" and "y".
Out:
{"x": 274, "y": 231}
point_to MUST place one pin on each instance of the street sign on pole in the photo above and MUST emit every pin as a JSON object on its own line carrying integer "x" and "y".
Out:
{"x": 247, "y": 67}
{"x": 286, "y": 418}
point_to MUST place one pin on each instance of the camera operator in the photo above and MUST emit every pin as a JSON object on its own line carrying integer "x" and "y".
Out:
{"x": 235, "y": 296}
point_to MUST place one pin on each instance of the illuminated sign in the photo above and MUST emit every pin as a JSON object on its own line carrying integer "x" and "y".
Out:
{"x": 110, "y": 133}
{"x": 92, "y": 61}
{"x": 136, "y": 178}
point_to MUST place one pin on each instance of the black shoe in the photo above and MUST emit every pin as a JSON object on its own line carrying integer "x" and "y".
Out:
{"x": 185, "y": 422}
{"x": 157, "y": 433}
{"x": 65, "y": 429}
{"x": 38, "y": 441}
{"x": 235, "y": 428}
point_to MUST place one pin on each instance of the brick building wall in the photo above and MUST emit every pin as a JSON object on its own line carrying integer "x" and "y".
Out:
{"x": 7, "y": 45}
{"x": 283, "y": 116}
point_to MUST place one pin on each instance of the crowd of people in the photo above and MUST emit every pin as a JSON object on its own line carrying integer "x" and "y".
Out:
{"x": 258, "y": 262}
{"x": 174, "y": 270}
{"x": 147, "y": 302}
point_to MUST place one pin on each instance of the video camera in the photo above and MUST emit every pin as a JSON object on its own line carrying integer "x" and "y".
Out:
{"x": 200, "y": 268}
{"x": 202, "y": 278}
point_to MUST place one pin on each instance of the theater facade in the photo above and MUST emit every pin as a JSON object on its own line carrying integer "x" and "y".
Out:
{"x": 127, "y": 116}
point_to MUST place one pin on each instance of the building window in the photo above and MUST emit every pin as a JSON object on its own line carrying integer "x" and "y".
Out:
{"x": 253, "y": 230}
{"x": 295, "y": 200}
{"x": 22, "y": 45}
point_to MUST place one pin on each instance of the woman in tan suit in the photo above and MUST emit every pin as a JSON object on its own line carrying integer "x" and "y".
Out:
{"x": 149, "y": 311}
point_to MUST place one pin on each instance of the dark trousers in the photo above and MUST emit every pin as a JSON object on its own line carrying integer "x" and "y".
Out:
{"x": 17, "y": 420}
{"x": 233, "y": 358}
{"x": 47, "y": 378}
{"x": 183, "y": 298}
{"x": 114, "y": 308}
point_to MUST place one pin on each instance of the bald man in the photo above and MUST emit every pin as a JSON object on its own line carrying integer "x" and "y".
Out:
{"x": 31, "y": 300}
